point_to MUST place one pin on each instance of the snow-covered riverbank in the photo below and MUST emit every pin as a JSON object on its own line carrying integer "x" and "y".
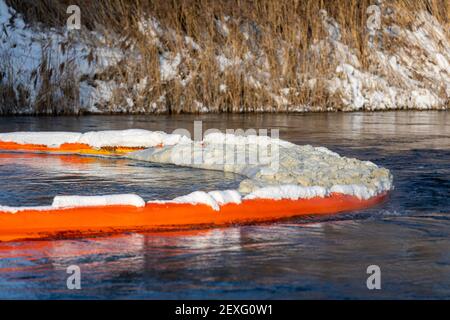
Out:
{"x": 52, "y": 70}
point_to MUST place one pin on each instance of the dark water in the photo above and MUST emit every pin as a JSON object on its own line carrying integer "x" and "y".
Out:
{"x": 408, "y": 237}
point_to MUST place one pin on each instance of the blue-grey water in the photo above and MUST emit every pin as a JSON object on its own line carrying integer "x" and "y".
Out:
{"x": 408, "y": 236}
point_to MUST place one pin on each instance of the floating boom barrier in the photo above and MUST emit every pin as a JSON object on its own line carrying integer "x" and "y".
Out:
{"x": 258, "y": 199}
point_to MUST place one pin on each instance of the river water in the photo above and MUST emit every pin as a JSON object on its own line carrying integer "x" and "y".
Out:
{"x": 408, "y": 236}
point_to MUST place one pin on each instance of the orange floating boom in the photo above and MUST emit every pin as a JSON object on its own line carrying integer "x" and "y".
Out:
{"x": 67, "y": 148}
{"x": 95, "y": 221}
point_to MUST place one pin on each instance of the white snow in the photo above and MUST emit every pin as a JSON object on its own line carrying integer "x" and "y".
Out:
{"x": 95, "y": 201}
{"x": 49, "y": 139}
{"x": 223, "y": 88}
{"x": 295, "y": 192}
{"x": 97, "y": 139}
{"x": 409, "y": 76}
{"x": 359, "y": 191}
{"x": 226, "y": 196}
{"x": 198, "y": 197}
{"x": 225, "y": 63}
{"x": 65, "y": 202}
{"x": 292, "y": 192}
{"x": 7, "y": 209}
{"x": 28, "y": 52}
{"x": 244, "y": 139}
{"x": 130, "y": 138}
{"x": 169, "y": 66}
{"x": 214, "y": 199}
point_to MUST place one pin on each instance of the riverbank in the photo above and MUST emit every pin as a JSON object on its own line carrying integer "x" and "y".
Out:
{"x": 196, "y": 57}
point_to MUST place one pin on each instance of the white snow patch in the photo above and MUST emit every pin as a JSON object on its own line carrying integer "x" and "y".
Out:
{"x": 62, "y": 202}
{"x": 359, "y": 191}
{"x": 225, "y": 63}
{"x": 253, "y": 139}
{"x": 223, "y": 88}
{"x": 197, "y": 197}
{"x": 214, "y": 199}
{"x": 226, "y": 196}
{"x": 292, "y": 192}
{"x": 49, "y": 139}
{"x": 95, "y": 201}
{"x": 223, "y": 28}
{"x": 189, "y": 41}
{"x": 7, "y": 209}
{"x": 97, "y": 139}
{"x": 295, "y": 192}
{"x": 130, "y": 138}
{"x": 327, "y": 151}
{"x": 169, "y": 66}
{"x": 26, "y": 50}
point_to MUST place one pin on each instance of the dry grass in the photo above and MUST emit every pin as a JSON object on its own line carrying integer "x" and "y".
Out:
{"x": 280, "y": 32}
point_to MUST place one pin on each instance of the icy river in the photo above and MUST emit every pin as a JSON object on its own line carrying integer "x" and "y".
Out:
{"x": 407, "y": 237}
